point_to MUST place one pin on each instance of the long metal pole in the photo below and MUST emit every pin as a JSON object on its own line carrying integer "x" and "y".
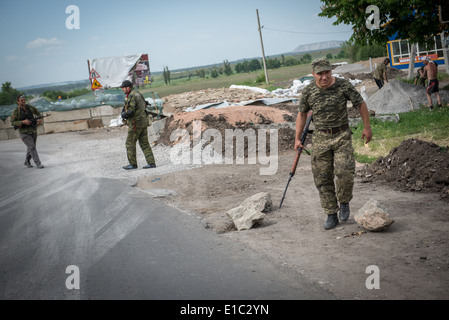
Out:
{"x": 263, "y": 52}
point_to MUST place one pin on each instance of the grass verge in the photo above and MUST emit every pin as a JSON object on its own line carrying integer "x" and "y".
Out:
{"x": 421, "y": 124}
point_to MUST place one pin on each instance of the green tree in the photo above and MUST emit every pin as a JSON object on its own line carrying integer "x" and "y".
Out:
{"x": 273, "y": 63}
{"x": 290, "y": 61}
{"x": 166, "y": 75}
{"x": 227, "y": 68}
{"x": 239, "y": 68}
{"x": 214, "y": 72}
{"x": 8, "y": 95}
{"x": 201, "y": 73}
{"x": 342, "y": 54}
{"x": 371, "y": 51}
{"x": 416, "y": 20}
{"x": 247, "y": 66}
{"x": 254, "y": 65}
{"x": 306, "y": 59}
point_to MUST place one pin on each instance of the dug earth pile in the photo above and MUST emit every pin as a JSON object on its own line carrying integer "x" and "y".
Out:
{"x": 281, "y": 116}
{"x": 414, "y": 165}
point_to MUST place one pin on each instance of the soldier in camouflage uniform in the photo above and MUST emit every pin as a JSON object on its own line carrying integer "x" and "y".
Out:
{"x": 333, "y": 154}
{"x": 137, "y": 120}
{"x": 380, "y": 74}
{"x": 20, "y": 119}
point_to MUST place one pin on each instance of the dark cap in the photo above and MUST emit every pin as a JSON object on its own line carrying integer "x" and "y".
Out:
{"x": 126, "y": 83}
{"x": 320, "y": 65}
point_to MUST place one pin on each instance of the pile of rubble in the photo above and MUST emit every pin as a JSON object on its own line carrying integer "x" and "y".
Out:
{"x": 281, "y": 116}
{"x": 397, "y": 97}
{"x": 415, "y": 165}
{"x": 180, "y": 102}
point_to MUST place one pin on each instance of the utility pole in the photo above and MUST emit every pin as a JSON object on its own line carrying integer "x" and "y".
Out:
{"x": 263, "y": 52}
{"x": 88, "y": 67}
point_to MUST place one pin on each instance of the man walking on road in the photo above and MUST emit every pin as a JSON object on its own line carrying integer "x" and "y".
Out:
{"x": 333, "y": 154}
{"x": 21, "y": 118}
{"x": 137, "y": 120}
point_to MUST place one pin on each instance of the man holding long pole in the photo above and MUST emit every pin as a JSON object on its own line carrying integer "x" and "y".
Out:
{"x": 333, "y": 154}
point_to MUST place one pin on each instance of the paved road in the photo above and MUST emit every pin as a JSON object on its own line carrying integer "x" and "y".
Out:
{"x": 118, "y": 242}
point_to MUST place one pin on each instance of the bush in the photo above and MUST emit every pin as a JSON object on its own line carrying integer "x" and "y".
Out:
{"x": 261, "y": 78}
{"x": 8, "y": 95}
{"x": 373, "y": 51}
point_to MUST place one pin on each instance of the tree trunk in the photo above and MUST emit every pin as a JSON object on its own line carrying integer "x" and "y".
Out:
{"x": 411, "y": 68}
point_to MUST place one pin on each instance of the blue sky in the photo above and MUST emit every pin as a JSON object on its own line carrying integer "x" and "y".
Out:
{"x": 36, "y": 47}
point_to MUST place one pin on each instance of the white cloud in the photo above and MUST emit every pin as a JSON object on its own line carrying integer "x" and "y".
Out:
{"x": 11, "y": 58}
{"x": 40, "y": 42}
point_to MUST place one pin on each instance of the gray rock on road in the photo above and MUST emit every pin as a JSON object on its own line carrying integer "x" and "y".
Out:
{"x": 373, "y": 216}
{"x": 251, "y": 211}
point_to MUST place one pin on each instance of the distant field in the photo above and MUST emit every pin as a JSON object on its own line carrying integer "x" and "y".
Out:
{"x": 276, "y": 76}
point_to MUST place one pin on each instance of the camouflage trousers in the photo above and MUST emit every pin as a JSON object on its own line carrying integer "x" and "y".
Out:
{"x": 138, "y": 131}
{"x": 333, "y": 157}
{"x": 30, "y": 141}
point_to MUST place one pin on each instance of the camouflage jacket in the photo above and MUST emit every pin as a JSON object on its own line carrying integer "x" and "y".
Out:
{"x": 329, "y": 105}
{"x": 379, "y": 72}
{"x": 18, "y": 115}
{"x": 135, "y": 106}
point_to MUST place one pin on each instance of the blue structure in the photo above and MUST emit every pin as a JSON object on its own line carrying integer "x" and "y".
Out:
{"x": 399, "y": 53}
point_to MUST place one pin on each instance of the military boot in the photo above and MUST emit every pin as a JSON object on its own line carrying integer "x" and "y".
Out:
{"x": 28, "y": 163}
{"x": 344, "y": 211}
{"x": 332, "y": 221}
{"x": 130, "y": 167}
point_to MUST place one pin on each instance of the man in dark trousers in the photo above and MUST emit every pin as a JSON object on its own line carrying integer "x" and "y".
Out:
{"x": 333, "y": 154}
{"x": 22, "y": 119}
{"x": 380, "y": 74}
{"x": 431, "y": 72}
{"x": 137, "y": 120}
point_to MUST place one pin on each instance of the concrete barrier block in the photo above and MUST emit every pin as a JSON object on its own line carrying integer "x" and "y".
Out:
{"x": 70, "y": 115}
{"x": 9, "y": 133}
{"x": 57, "y": 127}
{"x": 102, "y": 111}
{"x": 107, "y": 120}
{"x": 8, "y": 123}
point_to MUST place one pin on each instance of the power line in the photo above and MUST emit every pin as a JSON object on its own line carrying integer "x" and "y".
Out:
{"x": 303, "y": 32}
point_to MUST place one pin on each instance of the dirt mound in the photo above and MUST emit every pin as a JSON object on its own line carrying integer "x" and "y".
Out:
{"x": 415, "y": 165}
{"x": 280, "y": 116}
